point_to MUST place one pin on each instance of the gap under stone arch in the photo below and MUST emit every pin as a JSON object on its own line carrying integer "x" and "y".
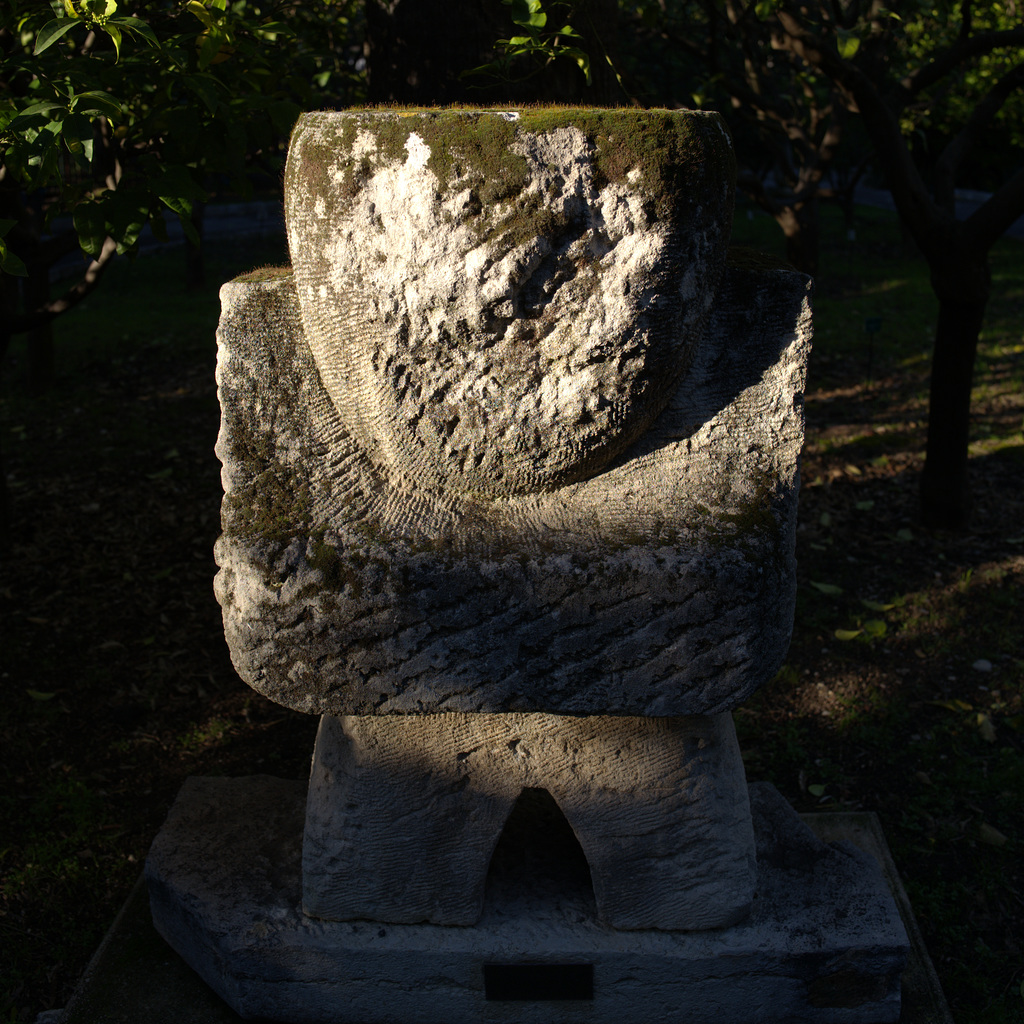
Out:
{"x": 538, "y": 862}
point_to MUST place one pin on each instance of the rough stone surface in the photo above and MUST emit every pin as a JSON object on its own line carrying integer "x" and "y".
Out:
{"x": 662, "y": 585}
{"x": 659, "y": 806}
{"x": 500, "y": 303}
{"x": 823, "y": 943}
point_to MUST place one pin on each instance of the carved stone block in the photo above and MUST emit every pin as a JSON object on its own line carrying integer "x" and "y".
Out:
{"x": 397, "y": 804}
{"x": 663, "y": 585}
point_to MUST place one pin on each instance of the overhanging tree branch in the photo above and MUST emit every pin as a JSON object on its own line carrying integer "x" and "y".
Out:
{"x": 981, "y": 116}
{"x": 962, "y": 50}
{"x": 910, "y": 194}
{"x": 74, "y": 295}
{"x": 990, "y": 221}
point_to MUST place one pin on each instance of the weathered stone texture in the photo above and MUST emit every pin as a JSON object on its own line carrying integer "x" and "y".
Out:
{"x": 403, "y": 814}
{"x": 500, "y": 303}
{"x": 823, "y": 943}
{"x": 663, "y": 585}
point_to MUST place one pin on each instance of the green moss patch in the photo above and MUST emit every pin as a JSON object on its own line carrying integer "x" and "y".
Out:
{"x": 674, "y": 152}
{"x": 261, "y": 275}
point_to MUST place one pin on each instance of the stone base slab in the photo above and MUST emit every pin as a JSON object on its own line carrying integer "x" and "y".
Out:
{"x": 824, "y": 941}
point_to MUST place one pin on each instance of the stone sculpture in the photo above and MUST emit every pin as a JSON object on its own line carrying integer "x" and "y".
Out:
{"x": 510, "y": 468}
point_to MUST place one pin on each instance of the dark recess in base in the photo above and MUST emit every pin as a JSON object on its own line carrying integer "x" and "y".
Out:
{"x": 538, "y": 982}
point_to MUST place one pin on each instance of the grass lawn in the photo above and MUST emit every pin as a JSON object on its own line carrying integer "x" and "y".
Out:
{"x": 903, "y": 692}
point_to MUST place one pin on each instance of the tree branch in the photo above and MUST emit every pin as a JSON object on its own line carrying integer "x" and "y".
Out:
{"x": 909, "y": 192}
{"x": 984, "y": 112}
{"x": 74, "y": 295}
{"x": 962, "y": 50}
{"x": 991, "y": 220}
{"x": 965, "y": 18}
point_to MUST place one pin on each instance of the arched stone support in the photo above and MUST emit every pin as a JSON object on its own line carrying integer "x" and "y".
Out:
{"x": 403, "y": 814}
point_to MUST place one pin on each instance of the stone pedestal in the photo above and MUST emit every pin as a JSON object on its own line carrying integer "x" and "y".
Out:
{"x": 823, "y": 942}
{"x": 658, "y": 805}
{"x": 511, "y": 471}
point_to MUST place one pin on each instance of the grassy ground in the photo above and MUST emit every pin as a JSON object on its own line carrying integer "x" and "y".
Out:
{"x": 902, "y": 693}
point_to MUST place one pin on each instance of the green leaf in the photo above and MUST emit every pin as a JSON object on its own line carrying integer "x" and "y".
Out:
{"x": 90, "y": 225}
{"x": 877, "y": 606}
{"x": 522, "y": 10}
{"x": 127, "y": 212}
{"x": 102, "y": 9}
{"x": 847, "y": 634}
{"x": 189, "y": 228}
{"x": 78, "y": 135}
{"x": 864, "y": 506}
{"x": 43, "y": 153}
{"x": 179, "y": 191}
{"x": 827, "y": 588}
{"x": 582, "y": 59}
{"x": 99, "y": 103}
{"x": 875, "y": 628}
{"x": 115, "y": 34}
{"x": 212, "y": 43}
{"x": 205, "y": 87}
{"x": 200, "y": 12}
{"x": 816, "y": 790}
{"x": 847, "y": 43}
{"x": 51, "y": 32}
{"x": 951, "y": 705}
{"x": 35, "y": 109}
{"x": 39, "y": 695}
{"x": 10, "y": 263}
{"x": 137, "y": 27}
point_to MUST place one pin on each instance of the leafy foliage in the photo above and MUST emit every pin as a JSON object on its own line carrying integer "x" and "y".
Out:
{"x": 119, "y": 120}
{"x": 536, "y": 44}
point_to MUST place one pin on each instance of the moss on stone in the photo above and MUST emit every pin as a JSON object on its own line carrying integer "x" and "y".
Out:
{"x": 672, "y": 152}
{"x": 275, "y": 505}
{"x": 337, "y": 572}
{"x": 272, "y": 502}
{"x": 261, "y": 275}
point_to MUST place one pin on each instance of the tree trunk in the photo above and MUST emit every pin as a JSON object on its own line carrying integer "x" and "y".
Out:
{"x": 801, "y": 227}
{"x": 962, "y": 287}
